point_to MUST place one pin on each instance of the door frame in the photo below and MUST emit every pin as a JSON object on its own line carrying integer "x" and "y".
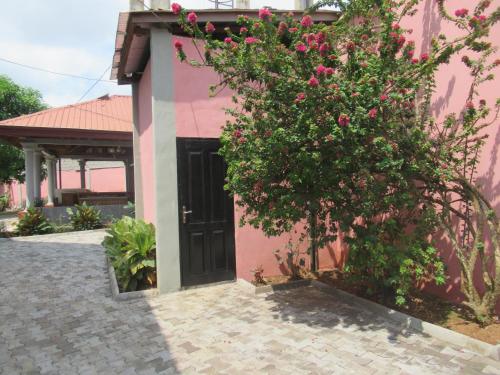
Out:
{"x": 180, "y": 198}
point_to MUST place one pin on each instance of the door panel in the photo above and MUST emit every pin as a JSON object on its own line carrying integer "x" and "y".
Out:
{"x": 207, "y": 230}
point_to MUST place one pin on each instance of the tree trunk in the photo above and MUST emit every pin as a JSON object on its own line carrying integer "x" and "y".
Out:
{"x": 313, "y": 240}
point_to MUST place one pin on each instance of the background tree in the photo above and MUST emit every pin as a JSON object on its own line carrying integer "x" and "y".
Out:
{"x": 331, "y": 129}
{"x": 15, "y": 101}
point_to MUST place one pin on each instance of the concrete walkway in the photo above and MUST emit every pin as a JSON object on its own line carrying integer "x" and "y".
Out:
{"x": 57, "y": 317}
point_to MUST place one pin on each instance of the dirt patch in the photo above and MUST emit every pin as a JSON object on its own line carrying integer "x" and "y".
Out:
{"x": 423, "y": 306}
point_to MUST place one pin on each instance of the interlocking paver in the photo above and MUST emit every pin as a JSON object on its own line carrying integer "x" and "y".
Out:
{"x": 57, "y": 317}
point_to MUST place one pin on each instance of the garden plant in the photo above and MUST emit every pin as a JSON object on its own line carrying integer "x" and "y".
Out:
{"x": 85, "y": 217}
{"x": 332, "y": 127}
{"x": 33, "y": 222}
{"x": 131, "y": 247}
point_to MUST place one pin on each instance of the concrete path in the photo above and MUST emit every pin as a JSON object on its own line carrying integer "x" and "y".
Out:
{"x": 57, "y": 317}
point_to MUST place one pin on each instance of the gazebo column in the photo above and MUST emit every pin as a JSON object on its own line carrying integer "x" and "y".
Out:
{"x": 82, "y": 173}
{"x": 37, "y": 172}
{"x": 29, "y": 149}
{"x": 51, "y": 179}
{"x": 129, "y": 176}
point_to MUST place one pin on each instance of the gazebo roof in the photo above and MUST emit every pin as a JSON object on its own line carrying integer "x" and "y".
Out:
{"x": 107, "y": 113}
{"x": 99, "y": 129}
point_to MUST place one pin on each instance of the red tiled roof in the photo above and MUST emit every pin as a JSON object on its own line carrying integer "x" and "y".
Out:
{"x": 108, "y": 113}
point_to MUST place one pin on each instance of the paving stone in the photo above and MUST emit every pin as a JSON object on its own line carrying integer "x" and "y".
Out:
{"x": 57, "y": 317}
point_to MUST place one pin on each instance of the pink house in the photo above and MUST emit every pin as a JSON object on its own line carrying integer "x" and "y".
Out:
{"x": 178, "y": 175}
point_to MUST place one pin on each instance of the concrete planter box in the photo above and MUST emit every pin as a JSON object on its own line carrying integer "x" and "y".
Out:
{"x": 412, "y": 323}
{"x": 260, "y": 289}
{"x": 115, "y": 290}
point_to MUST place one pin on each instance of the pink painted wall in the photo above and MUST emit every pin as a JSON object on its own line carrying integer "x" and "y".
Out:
{"x": 452, "y": 87}
{"x": 146, "y": 144}
{"x": 100, "y": 180}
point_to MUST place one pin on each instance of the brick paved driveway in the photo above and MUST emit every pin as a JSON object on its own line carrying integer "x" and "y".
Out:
{"x": 57, "y": 317}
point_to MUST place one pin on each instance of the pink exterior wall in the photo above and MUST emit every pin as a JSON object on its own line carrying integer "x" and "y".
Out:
{"x": 146, "y": 144}
{"x": 452, "y": 88}
{"x": 100, "y": 180}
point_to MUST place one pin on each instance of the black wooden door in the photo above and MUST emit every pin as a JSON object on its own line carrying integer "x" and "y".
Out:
{"x": 206, "y": 213}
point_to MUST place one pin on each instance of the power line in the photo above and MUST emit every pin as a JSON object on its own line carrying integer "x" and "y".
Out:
{"x": 94, "y": 84}
{"x": 53, "y": 72}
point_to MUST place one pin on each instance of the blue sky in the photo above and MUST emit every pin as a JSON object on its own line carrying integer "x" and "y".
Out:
{"x": 70, "y": 36}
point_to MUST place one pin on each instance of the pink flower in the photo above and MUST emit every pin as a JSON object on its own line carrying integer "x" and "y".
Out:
{"x": 395, "y": 26}
{"x": 178, "y": 45}
{"x": 313, "y": 82}
{"x": 320, "y": 37}
{"x": 192, "y": 18}
{"x": 243, "y": 30}
{"x": 324, "y": 49}
{"x": 228, "y": 40}
{"x": 482, "y": 102}
{"x": 237, "y": 133}
{"x": 410, "y": 53}
{"x": 320, "y": 69}
{"x": 265, "y": 14}
{"x": 306, "y": 21}
{"x": 344, "y": 120}
{"x": 350, "y": 46}
{"x": 300, "y": 97}
{"x": 414, "y": 61}
{"x": 300, "y": 47}
{"x": 242, "y": 140}
{"x": 251, "y": 40}
{"x": 424, "y": 57}
{"x": 469, "y": 105}
{"x": 329, "y": 71}
{"x": 372, "y": 113}
{"x": 292, "y": 30}
{"x": 176, "y": 8}
{"x": 461, "y": 12}
{"x": 209, "y": 27}
{"x": 383, "y": 97}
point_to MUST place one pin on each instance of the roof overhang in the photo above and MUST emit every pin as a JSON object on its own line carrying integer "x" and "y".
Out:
{"x": 132, "y": 37}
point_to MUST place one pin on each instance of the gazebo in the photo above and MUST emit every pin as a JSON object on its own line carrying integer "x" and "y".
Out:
{"x": 96, "y": 130}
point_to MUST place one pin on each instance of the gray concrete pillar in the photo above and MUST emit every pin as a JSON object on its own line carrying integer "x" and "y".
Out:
{"x": 242, "y": 4}
{"x": 37, "y": 173}
{"x": 29, "y": 149}
{"x": 165, "y": 162}
{"x": 160, "y": 4}
{"x": 51, "y": 179}
{"x": 83, "y": 183}
{"x": 138, "y": 193}
{"x": 303, "y": 4}
{"x": 136, "y": 5}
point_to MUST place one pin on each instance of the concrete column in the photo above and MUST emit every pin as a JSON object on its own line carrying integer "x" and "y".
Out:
{"x": 242, "y": 4}
{"x": 160, "y": 4}
{"x": 138, "y": 193}
{"x": 82, "y": 173}
{"x": 51, "y": 179}
{"x": 129, "y": 176}
{"x": 37, "y": 172}
{"x": 136, "y": 6}
{"x": 165, "y": 162}
{"x": 28, "y": 149}
{"x": 303, "y": 4}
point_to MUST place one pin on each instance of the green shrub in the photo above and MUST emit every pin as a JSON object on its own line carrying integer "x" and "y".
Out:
{"x": 4, "y": 202}
{"x": 131, "y": 247}
{"x": 33, "y": 222}
{"x": 85, "y": 217}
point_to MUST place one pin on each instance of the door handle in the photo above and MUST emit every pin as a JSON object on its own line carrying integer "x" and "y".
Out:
{"x": 184, "y": 214}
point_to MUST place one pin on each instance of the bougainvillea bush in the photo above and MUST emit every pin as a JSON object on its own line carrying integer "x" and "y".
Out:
{"x": 333, "y": 129}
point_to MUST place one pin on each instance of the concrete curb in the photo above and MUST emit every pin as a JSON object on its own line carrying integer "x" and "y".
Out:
{"x": 17, "y": 238}
{"x": 412, "y": 323}
{"x": 273, "y": 288}
{"x": 115, "y": 290}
